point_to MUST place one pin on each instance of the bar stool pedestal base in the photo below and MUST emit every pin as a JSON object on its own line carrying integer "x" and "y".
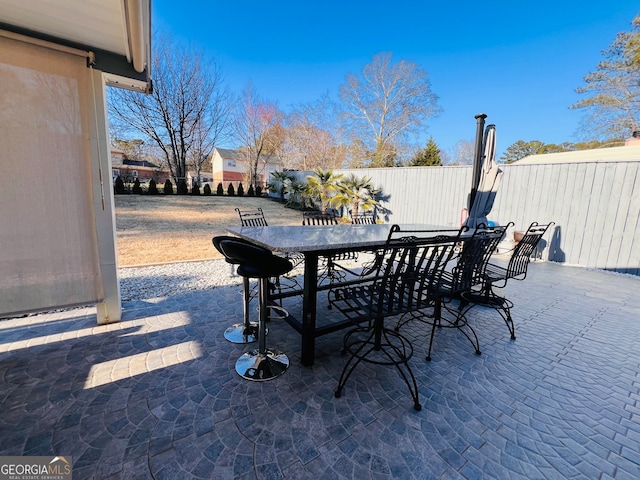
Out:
{"x": 239, "y": 333}
{"x": 259, "y": 367}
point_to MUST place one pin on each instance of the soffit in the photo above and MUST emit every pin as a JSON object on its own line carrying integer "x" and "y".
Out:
{"x": 118, "y": 31}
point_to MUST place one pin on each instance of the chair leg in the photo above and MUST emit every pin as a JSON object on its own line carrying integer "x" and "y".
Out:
{"x": 356, "y": 358}
{"x": 462, "y": 325}
{"x": 437, "y": 315}
{"x": 505, "y": 312}
{"x": 463, "y": 303}
{"x": 379, "y": 346}
{"x": 502, "y": 305}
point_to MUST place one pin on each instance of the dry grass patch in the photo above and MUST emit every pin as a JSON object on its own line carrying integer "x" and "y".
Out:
{"x": 174, "y": 228}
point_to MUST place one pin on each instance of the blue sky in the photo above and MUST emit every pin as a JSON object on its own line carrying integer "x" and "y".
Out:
{"x": 517, "y": 62}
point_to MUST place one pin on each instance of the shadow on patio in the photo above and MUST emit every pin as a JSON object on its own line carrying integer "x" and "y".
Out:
{"x": 157, "y": 396}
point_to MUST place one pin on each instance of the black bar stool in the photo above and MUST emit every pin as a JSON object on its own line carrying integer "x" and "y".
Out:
{"x": 246, "y": 332}
{"x": 257, "y": 262}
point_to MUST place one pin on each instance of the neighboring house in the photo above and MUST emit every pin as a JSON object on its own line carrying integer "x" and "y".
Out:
{"x": 232, "y": 167}
{"x": 128, "y": 169}
{"x": 630, "y": 152}
{"x": 202, "y": 180}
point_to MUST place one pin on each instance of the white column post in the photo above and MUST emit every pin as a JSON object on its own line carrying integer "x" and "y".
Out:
{"x": 110, "y": 309}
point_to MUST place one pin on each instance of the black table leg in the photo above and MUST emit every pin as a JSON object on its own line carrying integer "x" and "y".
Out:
{"x": 309, "y": 301}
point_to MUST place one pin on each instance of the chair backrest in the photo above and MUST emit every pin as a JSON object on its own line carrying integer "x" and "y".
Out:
{"x": 218, "y": 242}
{"x": 363, "y": 219}
{"x": 519, "y": 261}
{"x": 474, "y": 256}
{"x": 254, "y": 261}
{"x": 252, "y": 218}
{"x": 414, "y": 262}
{"x": 319, "y": 218}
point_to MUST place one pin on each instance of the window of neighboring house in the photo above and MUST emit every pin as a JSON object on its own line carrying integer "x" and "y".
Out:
{"x": 134, "y": 173}
{"x": 115, "y": 173}
{"x": 231, "y": 163}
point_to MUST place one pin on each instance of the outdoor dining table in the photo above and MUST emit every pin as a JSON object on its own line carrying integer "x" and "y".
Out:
{"x": 315, "y": 242}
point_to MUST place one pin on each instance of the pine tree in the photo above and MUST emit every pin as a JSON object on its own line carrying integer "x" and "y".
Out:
{"x": 428, "y": 157}
{"x": 153, "y": 187}
{"x": 614, "y": 104}
{"x": 119, "y": 186}
{"x": 137, "y": 189}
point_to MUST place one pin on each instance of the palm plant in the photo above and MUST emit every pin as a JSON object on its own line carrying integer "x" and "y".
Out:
{"x": 323, "y": 186}
{"x": 297, "y": 192}
{"x": 356, "y": 192}
{"x": 283, "y": 179}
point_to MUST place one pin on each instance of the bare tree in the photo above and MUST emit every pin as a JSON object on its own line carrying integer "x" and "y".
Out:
{"x": 187, "y": 110}
{"x": 464, "y": 151}
{"x": 132, "y": 148}
{"x": 386, "y": 102}
{"x": 312, "y": 140}
{"x": 207, "y": 134}
{"x": 257, "y": 126}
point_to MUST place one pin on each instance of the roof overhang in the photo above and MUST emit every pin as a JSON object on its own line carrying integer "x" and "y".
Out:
{"x": 115, "y": 33}
{"x": 629, "y": 153}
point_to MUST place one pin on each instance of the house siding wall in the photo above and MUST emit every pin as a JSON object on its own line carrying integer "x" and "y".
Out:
{"x": 225, "y": 173}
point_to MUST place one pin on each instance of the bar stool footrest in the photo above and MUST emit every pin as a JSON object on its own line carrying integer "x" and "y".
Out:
{"x": 280, "y": 313}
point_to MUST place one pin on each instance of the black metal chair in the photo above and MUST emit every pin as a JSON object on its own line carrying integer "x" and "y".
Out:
{"x": 247, "y": 331}
{"x": 256, "y": 218}
{"x": 495, "y": 275}
{"x": 252, "y": 218}
{"x": 405, "y": 281}
{"x": 367, "y": 218}
{"x": 328, "y": 270}
{"x": 319, "y": 218}
{"x": 467, "y": 271}
{"x": 259, "y": 263}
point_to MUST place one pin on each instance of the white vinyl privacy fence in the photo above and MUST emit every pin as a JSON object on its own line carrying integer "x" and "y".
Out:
{"x": 595, "y": 205}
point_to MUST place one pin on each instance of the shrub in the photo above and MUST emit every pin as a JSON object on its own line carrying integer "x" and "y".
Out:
{"x": 195, "y": 190}
{"x": 119, "y": 186}
{"x": 240, "y": 190}
{"x": 168, "y": 187}
{"x": 182, "y": 188}
{"x": 258, "y": 191}
{"x": 137, "y": 189}
{"x": 230, "y": 190}
{"x": 153, "y": 188}
{"x": 220, "y": 189}
{"x": 251, "y": 192}
{"x": 207, "y": 189}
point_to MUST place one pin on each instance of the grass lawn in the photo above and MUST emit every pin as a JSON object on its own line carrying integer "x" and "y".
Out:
{"x": 174, "y": 228}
